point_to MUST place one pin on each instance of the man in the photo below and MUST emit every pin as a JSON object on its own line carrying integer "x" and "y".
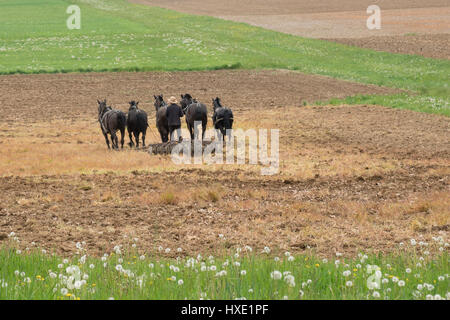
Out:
{"x": 173, "y": 114}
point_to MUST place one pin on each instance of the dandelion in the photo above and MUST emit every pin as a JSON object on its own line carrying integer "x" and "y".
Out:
{"x": 290, "y": 280}
{"x": 180, "y": 282}
{"x": 167, "y": 250}
{"x": 65, "y": 261}
{"x": 142, "y": 258}
{"x": 324, "y": 260}
{"x": 349, "y": 284}
{"x": 276, "y": 259}
{"x": 441, "y": 278}
{"x": 179, "y": 250}
{"x": 346, "y": 273}
{"x": 376, "y": 294}
{"x": 17, "y": 272}
{"x": 243, "y": 272}
{"x": 18, "y": 251}
{"x": 384, "y": 281}
{"x": 119, "y": 267}
{"x": 419, "y": 287}
{"x": 276, "y": 275}
{"x": 91, "y": 266}
{"x": 408, "y": 270}
{"x": 401, "y": 283}
{"x": 291, "y": 258}
{"x": 429, "y": 297}
{"x": 266, "y": 250}
{"x": 301, "y": 293}
{"x": 78, "y": 284}
{"x": 64, "y": 291}
{"x": 413, "y": 242}
{"x": 213, "y": 268}
{"x": 111, "y": 298}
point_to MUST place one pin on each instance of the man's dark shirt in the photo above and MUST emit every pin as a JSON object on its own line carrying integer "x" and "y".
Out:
{"x": 174, "y": 113}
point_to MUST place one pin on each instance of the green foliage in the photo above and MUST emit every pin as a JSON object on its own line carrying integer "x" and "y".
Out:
{"x": 131, "y": 275}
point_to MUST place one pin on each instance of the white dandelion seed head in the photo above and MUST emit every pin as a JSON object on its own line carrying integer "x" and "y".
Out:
{"x": 276, "y": 275}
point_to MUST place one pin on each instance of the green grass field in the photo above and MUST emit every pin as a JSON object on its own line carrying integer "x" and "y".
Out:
{"x": 412, "y": 272}
{"x": 118, "y": 36}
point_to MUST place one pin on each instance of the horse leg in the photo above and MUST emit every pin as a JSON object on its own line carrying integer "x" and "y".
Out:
{"x": 122, "y": 137}
{"x": 191, "y": 132}
{"x": 107, "y": 140}
{"x": 136, "y": 137}
{"x": 203, "y": 130}
{"x": 114, "y": 140}
{"x": 143, "y": 137}
{"x": 162, "y": 135}
{"x": 196, "y": 131}
{"x": 131, "y": 144}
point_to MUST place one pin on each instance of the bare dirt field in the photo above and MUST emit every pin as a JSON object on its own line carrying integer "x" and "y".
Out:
{"x": 351, "y": 177}
{"x": 344, "y": 20}
{"x": 428, "y": 45}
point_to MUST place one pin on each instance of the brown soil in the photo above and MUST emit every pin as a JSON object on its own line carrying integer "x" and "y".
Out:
{"x": 428, "y": 45}
{"x": 351, "y": 177}
{"x": 272, "y": 7}
{"x": 71, "y": 96}
{"x": 342, "y": 20}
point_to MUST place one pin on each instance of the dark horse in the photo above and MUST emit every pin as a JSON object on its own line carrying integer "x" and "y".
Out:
{"x": 111, "y": 121}
{"x": 137, "y": 123}
{"x": 194, "y": 111}
{"x": 222, "y": 119}
{"x": 161, "y": 119}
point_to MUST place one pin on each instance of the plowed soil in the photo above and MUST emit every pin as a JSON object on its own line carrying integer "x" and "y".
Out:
{"x": 351, "y": 177}
{"x": 343, "y": 21}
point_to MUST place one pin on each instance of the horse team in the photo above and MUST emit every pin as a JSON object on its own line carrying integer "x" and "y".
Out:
{"x": 136, "y": 121}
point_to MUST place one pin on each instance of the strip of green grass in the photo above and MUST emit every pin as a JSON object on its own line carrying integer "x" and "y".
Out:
{"x": 422, "y": 103}
{"x": 118, "y": 36}
{"x": 410, "y": 273}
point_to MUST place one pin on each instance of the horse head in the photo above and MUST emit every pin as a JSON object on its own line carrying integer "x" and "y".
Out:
{"x": 101, "y": 107}
{"x": 186, "y": 101}
{"x": 133, "y": 105}
{"x": 216, "y": 103}
{"x": 159, "y": 102}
